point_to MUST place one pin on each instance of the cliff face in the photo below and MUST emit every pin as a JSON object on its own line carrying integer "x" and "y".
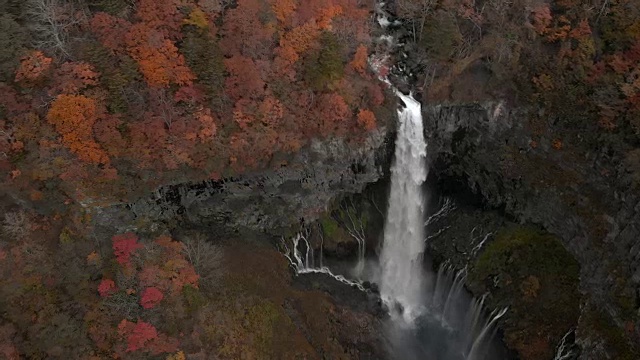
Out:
{"x": 315, "y": 314}
{"x": 273, "y": 199}
{"x": 569, "y": 193}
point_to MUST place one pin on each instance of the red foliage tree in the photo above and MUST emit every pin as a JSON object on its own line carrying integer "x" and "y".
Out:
{"x": 244, "y": 31}
{"x": 542, "y": 19}
{"x": 333, "y": 113}
{"x": 110, "y": 31}
{"x": 124, "y": 246}
{"x": 71, "y": 78}
{"x": 244, "y": 81}
{"x": 148, "y": 139}
{"x": 13, "y": 104}
{"x": 163, "y": 15}
{"x": 107, "y": 287}
{"x": 107, "y": 134}
{"x": 151, "y": 297}
{"x": 138, "y": 335}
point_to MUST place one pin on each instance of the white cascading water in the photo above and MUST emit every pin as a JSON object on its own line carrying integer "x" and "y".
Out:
{"x": 401, "y": 258}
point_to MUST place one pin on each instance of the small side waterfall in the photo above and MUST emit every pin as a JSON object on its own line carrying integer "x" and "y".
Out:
{"x": 401, "y": 257}
{"x": 303, "y": 260}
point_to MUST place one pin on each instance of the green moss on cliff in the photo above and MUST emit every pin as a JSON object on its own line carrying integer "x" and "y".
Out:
{"x": 530, "y": 272}
{"x": 329, "y": 226}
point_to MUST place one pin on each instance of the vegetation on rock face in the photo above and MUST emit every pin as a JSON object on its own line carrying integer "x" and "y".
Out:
{"x": 600, "y": 331}
{"x": 530, "y": 272}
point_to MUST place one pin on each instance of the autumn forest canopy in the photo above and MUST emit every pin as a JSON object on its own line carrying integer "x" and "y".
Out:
{"x": 114, "y": 97}
{"x": 102, "y": 101}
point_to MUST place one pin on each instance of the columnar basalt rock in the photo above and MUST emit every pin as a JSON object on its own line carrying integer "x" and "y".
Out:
{"x": 272, "y": 199}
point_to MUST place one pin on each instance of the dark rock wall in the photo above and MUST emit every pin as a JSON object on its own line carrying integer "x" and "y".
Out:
{"x": 565, "y": 191}
{"x": 273, "y": 199}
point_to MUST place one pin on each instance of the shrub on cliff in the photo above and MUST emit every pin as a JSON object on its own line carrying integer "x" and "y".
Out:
{"x": 532, "y": 273}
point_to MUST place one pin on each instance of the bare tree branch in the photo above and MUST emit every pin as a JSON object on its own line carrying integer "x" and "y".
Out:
{"x": 51, "y": 22}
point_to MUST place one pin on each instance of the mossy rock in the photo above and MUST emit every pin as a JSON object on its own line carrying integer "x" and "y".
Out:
{"x": 530, "y": 272}
{"x": 330, "y": 226}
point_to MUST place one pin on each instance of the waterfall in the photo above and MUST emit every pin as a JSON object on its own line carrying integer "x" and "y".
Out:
{"x": 403, "y": 247}
{"x": 432, "y": 316}
{"x": 434, "y": 311}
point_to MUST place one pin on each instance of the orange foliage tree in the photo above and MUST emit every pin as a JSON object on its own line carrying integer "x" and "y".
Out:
{"x": 359, "y": 62}
{"x": 33, "y": 66}
{"x": 283, "y": 9}
{"x": 367, "y": 119}
{"x": 171, "y": 271}
{"x": 160, "y": 62}
{"x": 296, "y": 41}
{"x": 73, "y": 117}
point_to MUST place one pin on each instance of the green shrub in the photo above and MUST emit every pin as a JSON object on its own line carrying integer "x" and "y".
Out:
{"x": 194, "y": 298}
{"x": 113, "y": 7}
{"x": 203, "y": 55}
{"x": 530, "y": 272}
{"x": 329, "y": 226}
{"x": 325, "y": 65}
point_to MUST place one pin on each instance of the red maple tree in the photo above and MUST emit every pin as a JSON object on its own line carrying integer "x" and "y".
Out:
{"x": 107, "y": 287}
{"x": 124, "y": 246}
{"x": 151, "y": 297}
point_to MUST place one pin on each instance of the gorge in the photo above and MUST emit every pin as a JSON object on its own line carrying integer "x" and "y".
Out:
{"x": 326, "y": 179}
